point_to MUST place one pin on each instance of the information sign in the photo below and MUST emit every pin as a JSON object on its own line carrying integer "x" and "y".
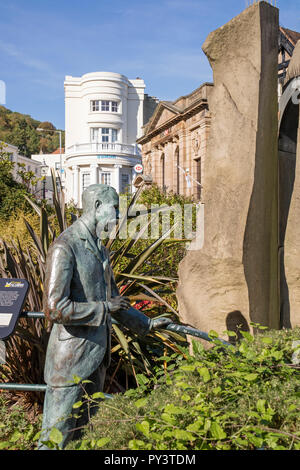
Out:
{"x": 13, "y": 294}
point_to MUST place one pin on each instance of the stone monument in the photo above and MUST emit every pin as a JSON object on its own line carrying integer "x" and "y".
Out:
{"x": 233, "y": 279}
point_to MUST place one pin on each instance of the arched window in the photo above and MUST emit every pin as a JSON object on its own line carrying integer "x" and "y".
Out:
{"x": 163, "y": 172}
{"x": 198, "y": 177}
{"x": 177, "y": 163}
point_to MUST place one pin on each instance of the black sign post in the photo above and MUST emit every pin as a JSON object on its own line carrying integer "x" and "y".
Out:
{"x": 13, "y": 294}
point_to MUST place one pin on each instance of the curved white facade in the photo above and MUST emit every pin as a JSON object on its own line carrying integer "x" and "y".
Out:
{"x": 105, "y": 113}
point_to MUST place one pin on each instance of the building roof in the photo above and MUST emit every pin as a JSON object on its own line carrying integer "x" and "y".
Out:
{"x": 57, "y": 151}
{"x": 181, "y": 107}
{"x": 293, "y": 36}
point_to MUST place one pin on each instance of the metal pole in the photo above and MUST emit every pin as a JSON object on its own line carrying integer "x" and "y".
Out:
{"x": 23, "y": 387}
{"x": 31, "y": 388}
{"x": 60, "y": 158}
{"x": 186, "y": 330}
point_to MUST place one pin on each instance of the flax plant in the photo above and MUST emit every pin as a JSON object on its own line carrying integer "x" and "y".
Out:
{"x": 132, "y": 357}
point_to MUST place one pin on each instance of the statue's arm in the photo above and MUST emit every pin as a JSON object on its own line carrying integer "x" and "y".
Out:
{"x": 58, "y": 305}
{"x": 134, "y": 319}
{"x": 131, "y": 318}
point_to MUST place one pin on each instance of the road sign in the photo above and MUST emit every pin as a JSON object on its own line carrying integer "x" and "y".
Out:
{"x": 13, "y": 294}
{"x": 138, "y": 168}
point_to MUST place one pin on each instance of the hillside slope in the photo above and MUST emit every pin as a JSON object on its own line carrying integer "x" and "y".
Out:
{"x": 20, "y": 130}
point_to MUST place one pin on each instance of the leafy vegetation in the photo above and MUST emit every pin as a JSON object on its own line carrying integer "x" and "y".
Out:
{"x": 243, "y": 397}
{"x": 12, "y": 192}
{"x": 18, "y": 429}
{"x": 20, "y": 130}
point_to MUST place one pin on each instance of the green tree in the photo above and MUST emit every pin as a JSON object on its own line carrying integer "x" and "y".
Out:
{"x": 21, "y": 130}
{"x": 11, "y": 191}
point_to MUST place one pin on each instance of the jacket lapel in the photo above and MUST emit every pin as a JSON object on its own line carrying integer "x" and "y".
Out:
{"x": 90, "y": 244}
{"x": 100, "y": 254}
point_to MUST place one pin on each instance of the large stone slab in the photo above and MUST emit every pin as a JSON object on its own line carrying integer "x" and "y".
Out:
{"x": 232, "y": 280}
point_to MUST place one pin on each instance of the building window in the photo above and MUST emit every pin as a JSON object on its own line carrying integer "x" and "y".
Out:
{"x": 105, "y": 134}
{"x": 105, "y": 178}
{"x": 114, "y": 106}
{"x": 86, "y": 177}
{"x": 104, "y": 105}
{"x": 114, "y": 135}
{"x": 177, "y": 170}
{"x": 109, "y": 135}
{"x": 125, "y": 183}
{"x": 163, "y": 172}
{"x": 198, "y": 172}
{"x": 95, "y": 105}
{"x": 94, "y": 134}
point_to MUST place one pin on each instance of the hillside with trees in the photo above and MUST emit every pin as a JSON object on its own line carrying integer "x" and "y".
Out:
{"x": 21, "y": 130}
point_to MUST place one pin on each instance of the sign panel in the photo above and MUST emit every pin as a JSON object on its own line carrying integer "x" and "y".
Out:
{"x": 138, "y": 168}
{"x": 13, "y": 294}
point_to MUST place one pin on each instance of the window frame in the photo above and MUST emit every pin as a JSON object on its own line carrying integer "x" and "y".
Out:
{"x": 104, "y": 176}
{"x": 116, "y": 105}
{"x": 104, "y": 106}
{"x": 83, "y": 174}
{"x": 92, "y": 104}
{"x": 125, "y": 187}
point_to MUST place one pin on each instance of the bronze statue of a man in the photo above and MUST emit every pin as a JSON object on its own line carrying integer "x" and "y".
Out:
{"x": 79, "y": 297}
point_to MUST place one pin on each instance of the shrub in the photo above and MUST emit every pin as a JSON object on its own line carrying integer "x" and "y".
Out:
{"x": 17, "y": 430}
{"x": 243, "y": 397}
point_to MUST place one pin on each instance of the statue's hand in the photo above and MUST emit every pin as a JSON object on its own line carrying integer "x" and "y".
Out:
{"x": 162, "y": 322}
{"x": 118, "y": 303}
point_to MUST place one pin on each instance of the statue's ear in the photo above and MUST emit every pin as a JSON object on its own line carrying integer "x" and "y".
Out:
{"x": 97, "y": 203}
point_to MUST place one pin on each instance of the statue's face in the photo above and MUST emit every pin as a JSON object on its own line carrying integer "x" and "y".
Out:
{"x": 107, "y": 213}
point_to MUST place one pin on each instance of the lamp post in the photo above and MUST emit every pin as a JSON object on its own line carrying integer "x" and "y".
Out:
{"x": 39, "y": 129}
{"x": 44, "y": 174}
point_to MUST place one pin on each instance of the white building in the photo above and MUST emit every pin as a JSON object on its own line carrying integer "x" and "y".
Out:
{"x": 27, "y": 165}
{"x": 105, "y": 113}
{"x": 50, "y": 161}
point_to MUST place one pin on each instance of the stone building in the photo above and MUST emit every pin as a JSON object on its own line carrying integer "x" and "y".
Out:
{"x": 174, "y": 142}
{"x": 175, "y": 139}
{"x": 286, "y": 42}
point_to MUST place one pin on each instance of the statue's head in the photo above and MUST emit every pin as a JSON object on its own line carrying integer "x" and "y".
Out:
{"x": 101, "y": 204}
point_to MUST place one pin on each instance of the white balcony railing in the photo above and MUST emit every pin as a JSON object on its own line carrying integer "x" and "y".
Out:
{"x": 104, "y": 147}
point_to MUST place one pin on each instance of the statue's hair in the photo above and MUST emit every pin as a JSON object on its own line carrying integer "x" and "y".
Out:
{"x": 93, "y": 192}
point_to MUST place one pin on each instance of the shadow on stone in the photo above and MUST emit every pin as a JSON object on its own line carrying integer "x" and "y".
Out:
{"x": 235, "y": 321}
{"x": 287, "y": 175}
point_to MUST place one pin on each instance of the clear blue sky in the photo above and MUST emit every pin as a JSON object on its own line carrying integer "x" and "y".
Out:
{"x": 160, "y": 41}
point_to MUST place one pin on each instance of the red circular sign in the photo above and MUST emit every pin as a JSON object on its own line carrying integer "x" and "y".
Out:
{"x": 138, "y": 168}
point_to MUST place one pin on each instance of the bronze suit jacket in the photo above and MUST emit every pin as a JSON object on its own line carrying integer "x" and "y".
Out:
{"x": 78, "y": 281}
